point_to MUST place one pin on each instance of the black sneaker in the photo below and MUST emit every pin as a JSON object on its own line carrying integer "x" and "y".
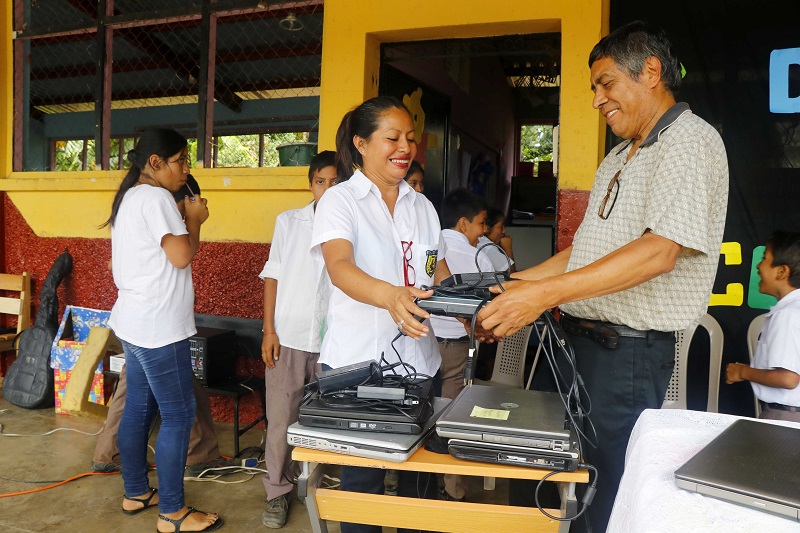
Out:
{"x": 276, "y": 512}
{"x": 113, "y": 466}
{"x": 212, "y": 466}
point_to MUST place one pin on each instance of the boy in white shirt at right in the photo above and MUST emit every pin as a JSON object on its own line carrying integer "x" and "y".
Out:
{"x": 775, "y": 372}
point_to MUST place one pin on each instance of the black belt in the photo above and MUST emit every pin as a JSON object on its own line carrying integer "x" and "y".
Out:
{"x": 460, "y": 340}
{"x": 607, "y": 334}
{"x": 779, "y": 406}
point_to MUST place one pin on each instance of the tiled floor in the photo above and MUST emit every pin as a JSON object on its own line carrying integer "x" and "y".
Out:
{"x": 92, "y": 504}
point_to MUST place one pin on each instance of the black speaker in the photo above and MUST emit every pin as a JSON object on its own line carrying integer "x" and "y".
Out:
{"x": 213, "y": 353}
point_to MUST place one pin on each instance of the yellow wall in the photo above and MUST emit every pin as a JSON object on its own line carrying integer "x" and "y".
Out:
{"x": 6, "y": 88}
{"x": 244, "y": 202}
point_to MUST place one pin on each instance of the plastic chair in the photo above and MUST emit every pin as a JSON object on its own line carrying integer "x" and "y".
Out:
{"x": 509, "y": 363}
{"x": 676, "y": 392}
{"x": 753, "y": 332}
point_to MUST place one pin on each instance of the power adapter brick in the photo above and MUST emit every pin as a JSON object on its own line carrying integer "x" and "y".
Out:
{"x": 347, "y": 376}
{"x": 396, "y": 394}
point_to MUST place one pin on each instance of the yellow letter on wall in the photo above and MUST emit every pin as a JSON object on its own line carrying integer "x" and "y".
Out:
{"x": 734, "y": 292}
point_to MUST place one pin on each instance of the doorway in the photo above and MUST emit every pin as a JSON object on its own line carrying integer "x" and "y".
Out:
{"x": 487, "y": 113}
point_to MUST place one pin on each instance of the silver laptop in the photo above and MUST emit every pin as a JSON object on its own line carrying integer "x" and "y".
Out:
{"x": 394, "y": 447}
{"x": 503, "y": 415}
{"x": 751, "y": 463}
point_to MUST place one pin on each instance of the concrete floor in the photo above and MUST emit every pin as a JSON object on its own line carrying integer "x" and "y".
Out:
{"x": 93, "y": 504}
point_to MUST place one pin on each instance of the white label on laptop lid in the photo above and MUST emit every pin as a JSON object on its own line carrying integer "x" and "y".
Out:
{"x": 494, "y": 414}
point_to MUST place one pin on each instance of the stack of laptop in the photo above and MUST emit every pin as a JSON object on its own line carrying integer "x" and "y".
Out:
{"x": 510, "y": 426}
{"x": 389, "y": 430}
{"x": 394, "y": 447}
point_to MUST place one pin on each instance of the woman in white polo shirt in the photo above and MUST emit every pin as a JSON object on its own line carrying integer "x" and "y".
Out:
{"x": 380, "y": 241}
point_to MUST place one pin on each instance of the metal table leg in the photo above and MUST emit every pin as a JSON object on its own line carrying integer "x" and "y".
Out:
{"x": 569, "y": 504}
{"x": 307, "y": 485}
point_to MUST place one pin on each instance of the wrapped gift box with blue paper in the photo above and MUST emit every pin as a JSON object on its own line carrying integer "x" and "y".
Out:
{"x": 67, "y": 346}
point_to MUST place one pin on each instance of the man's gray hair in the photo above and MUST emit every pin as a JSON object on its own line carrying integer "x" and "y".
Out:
{"x": 630, "y": 45}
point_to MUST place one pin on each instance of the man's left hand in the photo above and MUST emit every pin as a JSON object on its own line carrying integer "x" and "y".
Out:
{"x": 518, "y": 306}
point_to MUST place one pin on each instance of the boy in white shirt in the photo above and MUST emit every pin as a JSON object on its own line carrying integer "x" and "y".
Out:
{"x": 775, "y": 372}
{"x": 295, "y": 286}
{"x": 464, "y": 216}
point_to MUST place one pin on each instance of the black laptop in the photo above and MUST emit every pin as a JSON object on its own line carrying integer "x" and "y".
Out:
{"x": 345, "y": 412}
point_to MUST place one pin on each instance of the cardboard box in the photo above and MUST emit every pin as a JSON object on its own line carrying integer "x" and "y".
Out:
{"x": 67, "y": 346}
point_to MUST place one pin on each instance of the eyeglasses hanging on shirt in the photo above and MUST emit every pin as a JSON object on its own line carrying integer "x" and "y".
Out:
{"x": 613, "y": 188}
{"x": 409, "y": 274}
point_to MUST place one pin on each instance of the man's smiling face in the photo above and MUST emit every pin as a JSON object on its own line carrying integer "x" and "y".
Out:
{"x": 624, "y": 102}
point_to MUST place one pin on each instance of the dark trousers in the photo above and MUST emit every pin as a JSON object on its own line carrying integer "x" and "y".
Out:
{"x": 621, "y": 383}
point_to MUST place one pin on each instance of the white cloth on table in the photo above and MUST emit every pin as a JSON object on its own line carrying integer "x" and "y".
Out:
{"x": 648, "y": 499}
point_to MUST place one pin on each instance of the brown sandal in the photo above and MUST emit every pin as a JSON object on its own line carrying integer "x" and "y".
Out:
{"x": 178, "y": 521}
{"x": 144, "y": 501}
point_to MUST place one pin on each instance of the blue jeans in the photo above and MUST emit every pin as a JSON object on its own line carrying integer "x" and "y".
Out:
{"x": 158, "y": 378}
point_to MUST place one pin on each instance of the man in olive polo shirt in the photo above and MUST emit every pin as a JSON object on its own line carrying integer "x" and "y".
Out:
{"x": 643, "y": 260}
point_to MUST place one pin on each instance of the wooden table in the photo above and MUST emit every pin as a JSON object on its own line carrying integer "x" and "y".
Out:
{"x": 435, "y": 515}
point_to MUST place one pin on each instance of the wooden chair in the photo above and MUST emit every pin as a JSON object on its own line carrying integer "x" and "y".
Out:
{"x": 19, "y": 307}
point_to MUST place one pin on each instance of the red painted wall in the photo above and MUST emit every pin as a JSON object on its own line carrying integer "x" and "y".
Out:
{"x": 225, "y": 278}
{"x": 571, "y": 208}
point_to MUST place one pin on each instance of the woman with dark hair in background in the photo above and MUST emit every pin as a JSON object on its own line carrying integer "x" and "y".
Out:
{"x": 151, "y": 250}
{"x": 380, "y": 241}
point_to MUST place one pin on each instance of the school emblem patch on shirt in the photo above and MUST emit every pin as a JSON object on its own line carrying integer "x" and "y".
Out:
{"x": 430, "y": 262}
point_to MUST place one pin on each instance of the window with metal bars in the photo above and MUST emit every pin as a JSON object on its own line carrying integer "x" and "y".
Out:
{"x": 242, "y": 76}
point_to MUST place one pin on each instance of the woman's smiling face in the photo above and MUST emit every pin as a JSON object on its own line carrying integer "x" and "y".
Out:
{"x": 388, "y": 152}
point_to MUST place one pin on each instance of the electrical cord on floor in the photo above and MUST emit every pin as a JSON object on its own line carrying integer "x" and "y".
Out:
{"x": 2, "y": 434}
{"x": 225, "y": 471}
{"x": 57, "y": 484}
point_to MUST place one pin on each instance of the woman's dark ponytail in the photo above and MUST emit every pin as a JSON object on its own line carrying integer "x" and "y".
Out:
{"x": 347, "y": 156}
{"x": 162, "y": 142}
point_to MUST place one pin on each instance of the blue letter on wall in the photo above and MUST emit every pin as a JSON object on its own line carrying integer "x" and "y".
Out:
{"x": 779, "y": 100}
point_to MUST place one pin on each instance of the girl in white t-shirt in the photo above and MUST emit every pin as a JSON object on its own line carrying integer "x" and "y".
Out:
{"x": 151, "y": 249}
{"x": 380, "y": 241}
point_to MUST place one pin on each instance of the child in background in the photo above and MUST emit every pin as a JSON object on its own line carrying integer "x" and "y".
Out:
{"x": 464, "y": 216}
{"x": 495, "y": 221}
{"x": 415, "y": 176}
{"x": 775, "y": 372}
{"x": 294, "y": 301}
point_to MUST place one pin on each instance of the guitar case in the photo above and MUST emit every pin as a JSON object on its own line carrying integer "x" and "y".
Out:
{"x": 29, "y": 381}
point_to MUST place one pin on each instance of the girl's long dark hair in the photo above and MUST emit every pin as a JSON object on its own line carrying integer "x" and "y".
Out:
{"x": 362, "y": 121}
{"x": 162, "y": 142}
